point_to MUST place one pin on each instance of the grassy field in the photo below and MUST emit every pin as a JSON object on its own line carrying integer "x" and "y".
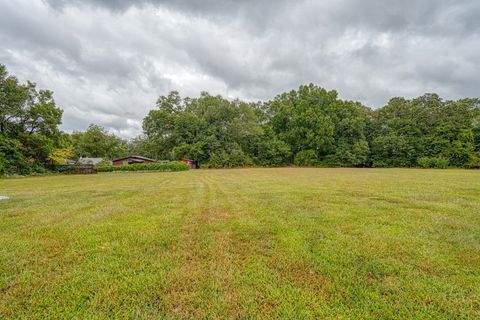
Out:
{"x": 250, "y": 243}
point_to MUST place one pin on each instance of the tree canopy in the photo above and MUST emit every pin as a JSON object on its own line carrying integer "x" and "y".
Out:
{"x": 97, "y": 142}
{"x": 29, "y": 120}
{"x": 310, "y": 126}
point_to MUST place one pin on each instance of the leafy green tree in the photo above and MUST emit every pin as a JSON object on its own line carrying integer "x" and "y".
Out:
{"x": 354, "y": 154}
{"x": 13, "y": 99}
{"x": 210, "y": 129}
{"x": 12, "y": 158}
{"x": 97, "y": 142}
{"x": 314, "y": 122}
{"x": 308, "y": 126}
{"x": 61, "y": 156}
{"x": 306, "y": 158}
{"x": 270, "y": 151}
{"x": 300, "y": 118}
{"x": 405, "y": 131}
{"x": 29, "y": 120}
{"x": 141, "y": 145}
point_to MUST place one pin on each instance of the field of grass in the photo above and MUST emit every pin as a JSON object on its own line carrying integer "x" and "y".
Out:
{"x": 248, "y": 243}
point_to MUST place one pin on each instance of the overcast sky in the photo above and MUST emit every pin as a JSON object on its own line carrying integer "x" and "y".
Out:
{"x": 108, "y": 60}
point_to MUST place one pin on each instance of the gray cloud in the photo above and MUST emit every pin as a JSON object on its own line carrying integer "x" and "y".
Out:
{"x": 108, "y": 60}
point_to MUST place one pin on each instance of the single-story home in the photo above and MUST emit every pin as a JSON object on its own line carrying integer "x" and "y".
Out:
{"x": 131, "y": 160}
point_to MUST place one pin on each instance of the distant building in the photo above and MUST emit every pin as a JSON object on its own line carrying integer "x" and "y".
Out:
{"x": 93, "y": 161}
{"x": 132, "y": 160}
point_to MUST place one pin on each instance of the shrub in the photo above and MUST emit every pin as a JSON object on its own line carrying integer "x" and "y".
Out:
{"x": 236, "y": 158}
{"x": 154, "y": 166}
{"x": 104, "y": 166}
{"x": 433, "y": 162}
{"x": 272, "y": 152}
{"x": 218, "y": 160}
{"x": 348, "y": 155}
{"x": 306, "y": 158}
{"x": 3, "y": 163}
{"x": 424, "y": 162}
{"x": 440, "y": 163}
{"x": 474, "y": 162}
{"x": 380, "y": 164}
{"x": 12, "y": 159}
{"x": 60, "y": 156}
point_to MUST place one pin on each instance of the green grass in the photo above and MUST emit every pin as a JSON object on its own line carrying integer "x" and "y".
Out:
{"x": 251, "y": 244}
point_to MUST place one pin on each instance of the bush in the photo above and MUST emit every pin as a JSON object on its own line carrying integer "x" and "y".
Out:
{"x": 154, "y": 166}
{"x": 433, "y": 162}
{"x": 218, "y": 160}
{"x": 348, "y": 155}
{"x": 3, "y": 163}
{"x": 474, "y": 162}
{"x": 272, "y": 152}
{"x": 236, "y": 158}
{"x": 440, "y": 163}
{"x": 12, "y": 159}
{"x": 306, "y": 158}
{"x": 424, "y": 162}
{"x": 380, "y": 164}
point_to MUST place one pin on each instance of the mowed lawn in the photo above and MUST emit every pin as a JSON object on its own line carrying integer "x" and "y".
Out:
{"x": 248, "y": 243}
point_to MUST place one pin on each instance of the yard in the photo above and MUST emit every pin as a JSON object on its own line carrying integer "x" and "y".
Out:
{"x": 247, "y": 243}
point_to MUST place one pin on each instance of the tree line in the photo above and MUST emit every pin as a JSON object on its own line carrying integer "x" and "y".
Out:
{"x": 310, "y": 126}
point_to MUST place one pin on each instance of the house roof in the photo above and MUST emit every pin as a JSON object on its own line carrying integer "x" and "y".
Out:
{"x": 90, "y": 160}
{"x": 137, "y": 157}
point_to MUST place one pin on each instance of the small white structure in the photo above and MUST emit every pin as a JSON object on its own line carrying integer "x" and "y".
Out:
{"x": 4, "y": 198}
{"x": 93, "y": 161}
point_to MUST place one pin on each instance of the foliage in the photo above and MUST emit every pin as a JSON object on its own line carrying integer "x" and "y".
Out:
{"x": 212, "y": 130}
{"x": 433, "y": 162}
{"x": 97, "y": 142}
{"x": 12, "y": 158}
{"x": 309, "y": 126}
{"x": 425, "y": 127}
{"x": 61, "y": 155}
{"x": 155, "y": 166}
{"x": 315, "y": 123}
{"x": 312, "y": 126}
{"x": 271, "y": 152}
{"x": 474, "y": 161}
{"x": 29, "y": 120}
{"x": 349, "y": 155}
{"x": 306, "y": 158}
{"x": 235, "y": 158}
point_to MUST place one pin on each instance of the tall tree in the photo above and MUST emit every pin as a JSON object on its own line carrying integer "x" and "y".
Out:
{"x": 210, "y": 129}
{"x": 29, "y": 120}
{"x": 405, "y": 131}
{"x": 319, "y": 127}
{"x": 97, "y": 142}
